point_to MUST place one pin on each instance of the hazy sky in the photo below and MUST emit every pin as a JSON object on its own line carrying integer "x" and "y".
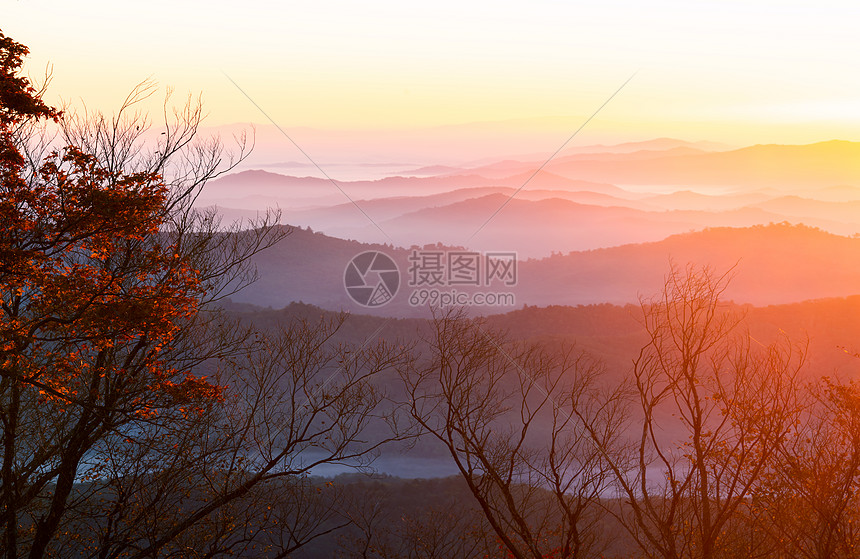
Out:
{"x": 739, "y": 72}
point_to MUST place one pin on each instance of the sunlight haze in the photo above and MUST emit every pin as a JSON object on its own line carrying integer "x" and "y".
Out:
{"x": 738, "y": 72}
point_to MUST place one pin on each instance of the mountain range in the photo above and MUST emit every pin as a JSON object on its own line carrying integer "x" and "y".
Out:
{"x": 595, "y": 197}
{"x": 776, "y": 263}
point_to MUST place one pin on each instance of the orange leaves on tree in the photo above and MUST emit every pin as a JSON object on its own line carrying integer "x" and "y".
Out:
{"x": 88, "y": 280}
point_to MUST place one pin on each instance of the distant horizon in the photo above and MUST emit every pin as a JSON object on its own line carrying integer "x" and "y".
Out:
{"x": 383, "y": 156}
{"x": 739, "y": 73}
{"x": 414, "y": 147}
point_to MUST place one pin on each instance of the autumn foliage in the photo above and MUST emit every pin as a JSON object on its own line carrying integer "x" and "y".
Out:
{"x": 139, "y": 419}
{"x": 94, "y": 292}
{"x": 85, "y": 276}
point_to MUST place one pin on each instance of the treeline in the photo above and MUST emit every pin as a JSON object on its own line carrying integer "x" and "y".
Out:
{"x": 750, "y": 435}
{"x": 715, "y": 444}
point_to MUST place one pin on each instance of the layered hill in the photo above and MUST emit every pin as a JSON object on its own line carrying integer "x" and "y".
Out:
{"x": 823, "y": 164}
{"x": 583, "y": 199}
{"x": 777, "y": 263}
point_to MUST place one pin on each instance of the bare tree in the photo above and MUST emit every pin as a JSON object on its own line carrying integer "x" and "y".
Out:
{"x": 808, "y": 502}
{"x": 505, "y": 414}
{"x": 713, "y": 413}
{"x": 233, "y": 478}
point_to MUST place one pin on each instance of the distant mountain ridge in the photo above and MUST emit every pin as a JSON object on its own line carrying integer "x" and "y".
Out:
{"x": 821, "y": 164}
{"x": 614, "y": 333}
{"x": 777, "y": 263}
{"x": 575, "y": 201}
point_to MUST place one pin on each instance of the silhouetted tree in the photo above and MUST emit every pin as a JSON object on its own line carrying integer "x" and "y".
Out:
{"x": 808, "y": 501}
{"x": 712, "y": 415}
{"x": 137, "y": 419}
{"x": 504, "y": 411}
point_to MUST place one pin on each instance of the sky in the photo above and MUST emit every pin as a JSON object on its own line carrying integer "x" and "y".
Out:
{"x": 735, "y": 72}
